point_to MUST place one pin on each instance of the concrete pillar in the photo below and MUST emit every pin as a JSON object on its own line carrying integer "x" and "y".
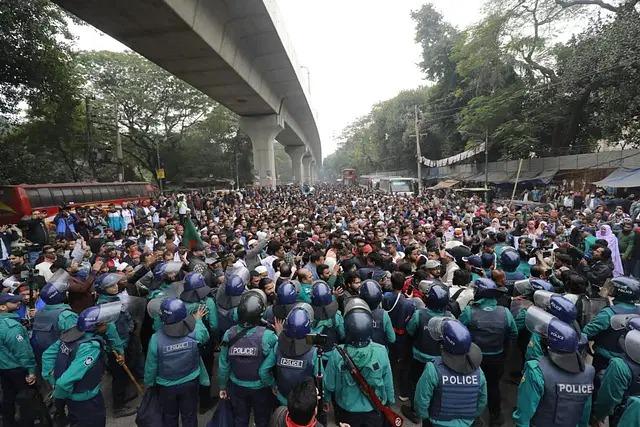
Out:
{"x": 296, "y": 152}
{"x": 306, "y": 169}
{"x": 262, "y": 130}
{"x": 313, "y": 171}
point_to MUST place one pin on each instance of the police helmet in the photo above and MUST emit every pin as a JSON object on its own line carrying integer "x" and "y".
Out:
{"x": 321, "y": 294}
{"x": 632, "y": 345}
{"x": 298, "y": 323}
{"x": 389, "y": 301}
{"x": 234, "y": 287}
{"x": 194, "y": 280}
{"x": 487, "y": 260}
{"x": 523, "y": 288}
{"x": 371, "y": 292}
{"x": 195, "y": 288}
{"x": 540, "y": 285}
{"x": 634, "y": 324}
{"x": 459, "y": 352}
{"x": 358, "y": 323}
{"x": 105, "y": 281}
{"x": 474, "y": 261}
{"x": 456, "y": 338}
{"x": 437, "y": 297}
{"x": 509, "y": 260}
{"x": 562, "y": 337}
{"x": 626, "y": 289}
{"x": 563, "y": 309}
{"x": 54, "y": 291}
{"x": 172, "y": 310}
{"x": 286, "y": 293}
{"x": 485, "y": 288}
{"x": 91, "y": 317}
{"x": 252, "y": 305}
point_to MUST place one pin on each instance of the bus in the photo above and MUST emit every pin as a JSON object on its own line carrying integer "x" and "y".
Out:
{"x": 349, "y": 176}
{"x": 397, "y": 185}
{"x": 17, "y": 201}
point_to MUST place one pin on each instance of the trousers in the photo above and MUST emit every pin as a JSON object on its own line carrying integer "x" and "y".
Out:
{"x": 244, "y": 400}
{"x": 87, "y": 413}
{"x": 179, "y": 401}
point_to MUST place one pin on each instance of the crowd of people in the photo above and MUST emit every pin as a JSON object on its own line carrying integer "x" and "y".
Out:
{"x": 282, "y": 300}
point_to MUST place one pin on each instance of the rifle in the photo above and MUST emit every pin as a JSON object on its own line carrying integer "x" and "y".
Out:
{"x": 391, "y": 417}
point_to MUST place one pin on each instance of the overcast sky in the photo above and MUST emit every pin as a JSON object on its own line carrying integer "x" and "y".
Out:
{"x": 359, "y": 52}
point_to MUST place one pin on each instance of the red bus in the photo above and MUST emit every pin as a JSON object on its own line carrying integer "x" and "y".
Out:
{"x": 349, "y": 177}
{"x": 16, "y": 201}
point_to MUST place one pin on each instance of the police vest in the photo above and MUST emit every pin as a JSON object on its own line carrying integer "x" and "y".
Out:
{"x": 66, "y": 355}
{"x": 245, "y": 355}
{"x": 489, "y": 328}
{"x": 634, "y": 387}
{"x": 423, "y": 341}
{"x": 400, "y": 315}
{"x": 225, "y": 318}
{"x": 123, "y": 325}
{"x": 332, "y": 335}
{"x": 609, "y": 338}
{"x": 378, "y": 334}
{"x": 565, "y": 395}
{"x": 45, "y": 330}
{"x": 292, "y": 370}
{"x": 456, "y": 396}
{"x": 177, "y": 356}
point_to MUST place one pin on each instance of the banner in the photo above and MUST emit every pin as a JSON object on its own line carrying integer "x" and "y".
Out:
{"x": 453, "y": 159}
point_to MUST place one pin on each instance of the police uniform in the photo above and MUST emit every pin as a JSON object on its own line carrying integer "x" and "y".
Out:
{"x": 491, "y": 328}
{"x": 371, "y": 292}
{"x": 74, "y": 365}
{"x": 246, "y": 361}
{"x": 174, "y": 363}
{"x": 400, "y": 310}
{"x": 327, "y": 319}
{"x": 352, "y": 406}
{"x": 16, "y": 359}
{"x": 452, "y": 390}
{"x": 631, "y": 413}
{"x": 227, "y": 300}
{"x": 556, "y": 389}
{"x": 48, "y": 325}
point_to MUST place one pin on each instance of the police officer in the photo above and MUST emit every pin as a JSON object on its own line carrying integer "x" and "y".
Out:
{"x": 227, "y": 300}
{"x": 196, "y": 293}
{"x": 452, "y": 389}
{"x": 555, "y": 389}
{"x": 165, "y": 275}
{"x": 295, "y": 358}
{"x": 425, "y": 348}
{"x": 510, "y": 261}
{"x": 371, "y": 293}
{"x": 492, "y": 327}
{"x": 246, "y": 361}
{"x": 174, "y": 363}
{"x": 625, "y": 291}
{"x": 631, "y": 414}
{"x": 352, "y": 406}
{"x": 286, "y": 296}
{"x": 55, "y": 317}
{"x": 74, "y": 365}
{"x": 621, "y": 379}
{"x": 327, "y": 320}
{"x": 17, "y": 361}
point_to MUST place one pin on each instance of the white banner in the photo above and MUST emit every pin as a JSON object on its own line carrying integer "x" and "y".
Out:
{"x": 453, "y": 159}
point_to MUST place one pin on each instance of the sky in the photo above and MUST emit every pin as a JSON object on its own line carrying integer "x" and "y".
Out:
{"x": 358, "y": 52}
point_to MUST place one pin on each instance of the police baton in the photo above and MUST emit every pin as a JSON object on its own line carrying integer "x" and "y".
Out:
{"x": 130, "y": 375}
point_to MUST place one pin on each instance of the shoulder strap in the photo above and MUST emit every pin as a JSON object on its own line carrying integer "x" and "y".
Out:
{"x": 236, "y": 338}
{"x": 457, "y": 294}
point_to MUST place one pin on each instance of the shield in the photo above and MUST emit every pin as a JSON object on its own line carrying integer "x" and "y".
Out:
{"x": 537, "y": 320}
{"x": 543, "y": 298}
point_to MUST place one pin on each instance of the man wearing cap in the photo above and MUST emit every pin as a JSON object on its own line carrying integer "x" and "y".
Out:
{"x": 174, "y": 363}
{"x": 74, "y": 365}
{"x": 452, "y": 390}
{"x": 556, "y": 389}
{"x": 621, "y": 380}
{"x": 17, "y": 361}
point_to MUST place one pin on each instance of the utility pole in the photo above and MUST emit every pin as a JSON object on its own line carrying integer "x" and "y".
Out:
{"x": 418, "y": 152}
{"x": 119, "y": 156}
{"x": 486, "y": 166}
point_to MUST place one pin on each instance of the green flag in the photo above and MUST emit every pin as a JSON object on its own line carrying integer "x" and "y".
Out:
{"x": 191, "y": 236}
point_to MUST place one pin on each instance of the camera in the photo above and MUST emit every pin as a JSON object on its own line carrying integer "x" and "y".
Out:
{"x": 319, "y": 340}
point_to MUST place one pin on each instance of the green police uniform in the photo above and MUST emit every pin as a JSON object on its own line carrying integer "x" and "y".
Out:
{"x": 321, "y": 326}
{"x": 534, "y": 348}
{"x": 211, "y": 318}
{"x": 530, "y": 394}
{"x": 304, "y": 293}
{"x": 373, "y": 362}
{"x": 15, "y": 350}
{"x": 412, "y": 328}
{"x": 151, "y": 376}
{"x": 631, "y": 414}
{"x": 525, "y": 268}
{"x": 615, "y": 382}
{"x": 283, "y": 399}
{"x": 67, "y": 318}
{"x": 269, "y": 340}
{"x": 428, "y": 383}
{"x": 489, "y": 304}
{"x": 600, "y": 323}
{"x": 387, "y": 327}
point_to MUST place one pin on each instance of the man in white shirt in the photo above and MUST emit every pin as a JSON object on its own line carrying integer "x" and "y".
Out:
{"x": 44, "y": 268}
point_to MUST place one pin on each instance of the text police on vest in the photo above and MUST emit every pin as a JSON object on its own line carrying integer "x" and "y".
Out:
{"x": 243, "y": 351}
{"x": 175, "y": 347}
{"x": 460, "y": 380}
{"x": 575, "y": 388}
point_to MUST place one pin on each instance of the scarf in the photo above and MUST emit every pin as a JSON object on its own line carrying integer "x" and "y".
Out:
{"x": 290, "y": 423}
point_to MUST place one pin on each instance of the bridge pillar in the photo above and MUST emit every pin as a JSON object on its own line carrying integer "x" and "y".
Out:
{"x": 262, "y": 130}
{"x": 313, "y": 172}
{"x": 295, "y": 153}
{"x": 306, "y": 169}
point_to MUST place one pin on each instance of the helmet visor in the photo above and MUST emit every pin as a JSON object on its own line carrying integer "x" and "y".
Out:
{"x": 537, "y": 320}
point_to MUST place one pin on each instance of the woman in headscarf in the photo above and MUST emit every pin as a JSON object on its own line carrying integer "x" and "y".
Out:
{"x": 606, "y": 234}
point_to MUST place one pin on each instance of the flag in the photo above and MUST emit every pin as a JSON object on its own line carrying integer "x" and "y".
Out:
{"x": 191, "y": 236}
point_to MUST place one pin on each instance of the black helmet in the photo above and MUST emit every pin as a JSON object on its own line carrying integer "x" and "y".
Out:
{"x": 358, "y": 323}
{"x": 252, "y": 305}
{"x": 371, "y": 292}
{"x": 626, "y": 289}
{"x": 510, "y": 260}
